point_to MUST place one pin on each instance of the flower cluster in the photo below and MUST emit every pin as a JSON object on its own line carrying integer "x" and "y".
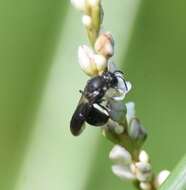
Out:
{"x": 123, "y": 127}
{"x": 140, "y": 171}
{"x": 94, "y": 60}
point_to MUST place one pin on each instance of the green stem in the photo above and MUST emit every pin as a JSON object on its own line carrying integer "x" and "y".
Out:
{"x": 93, "y": 30}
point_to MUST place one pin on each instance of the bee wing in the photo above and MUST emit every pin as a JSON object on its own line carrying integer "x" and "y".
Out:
{"x": 79, "y": 116}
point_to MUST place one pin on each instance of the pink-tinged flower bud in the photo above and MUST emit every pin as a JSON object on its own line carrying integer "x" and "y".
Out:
{"x": 105, "y": 45}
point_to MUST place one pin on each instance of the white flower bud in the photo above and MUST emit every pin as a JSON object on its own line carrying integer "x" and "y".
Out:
{"x": 131, "y": 112}
{"x": 120, "y": 155}
{"x": 143, "y": 171}
{"x": 86, "y": 60}
{"x": 136, "y": 131}
{"x": 161, "y": 177}
{"x": 79, "y": 4}
{"x": 115, "y": 127}
{"x": 123, "y": 172}
{"x": 104, "y": 45}
{"x": 119, "y": 129}
{"x": 117, "y": 112}
{"x": 101, "y": 63}
{"x": 143, "y": 156}
{"x": 133, "y": 167}
{"x": 87, "y": 20}
{"x": 92, "y": 64}
{"x": 93, "y": 3}
{"x": 145, "y": 186}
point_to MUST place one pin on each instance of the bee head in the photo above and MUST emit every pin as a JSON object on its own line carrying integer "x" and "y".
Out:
{"x": 110, "y": 79}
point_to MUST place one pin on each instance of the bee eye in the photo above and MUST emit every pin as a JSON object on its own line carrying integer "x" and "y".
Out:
{"x": 114, "y": 82}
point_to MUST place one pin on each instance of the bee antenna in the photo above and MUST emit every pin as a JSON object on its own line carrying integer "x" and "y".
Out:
{"x": 118, "y": 71}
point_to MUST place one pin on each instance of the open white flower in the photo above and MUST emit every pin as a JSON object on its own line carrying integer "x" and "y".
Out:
{"x": 123, "y": 86}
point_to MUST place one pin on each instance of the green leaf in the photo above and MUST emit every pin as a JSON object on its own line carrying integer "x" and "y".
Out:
{"x": 177, "y": 179}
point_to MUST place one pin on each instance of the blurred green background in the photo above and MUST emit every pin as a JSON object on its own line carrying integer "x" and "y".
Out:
{"x": 40, "y": 79}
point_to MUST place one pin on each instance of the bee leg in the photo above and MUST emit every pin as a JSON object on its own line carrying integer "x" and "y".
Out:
{"x": 98, "y": 115}
{"x": 105, "y": 108}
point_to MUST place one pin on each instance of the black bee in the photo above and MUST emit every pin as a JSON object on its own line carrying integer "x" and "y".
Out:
{"x": 92, "y": 97}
